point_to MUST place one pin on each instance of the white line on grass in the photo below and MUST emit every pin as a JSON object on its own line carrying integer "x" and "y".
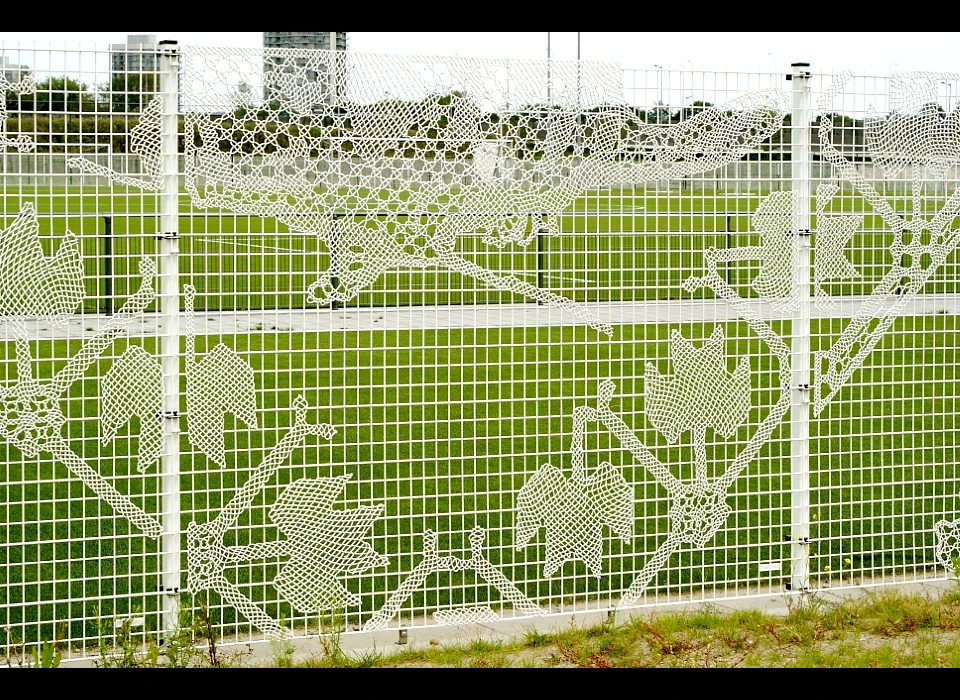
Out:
{"x": 243, "y": 244}
{"x": 238, "y": 244}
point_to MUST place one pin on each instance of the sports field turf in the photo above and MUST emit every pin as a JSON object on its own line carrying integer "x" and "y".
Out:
{"x": 443, "y": 427}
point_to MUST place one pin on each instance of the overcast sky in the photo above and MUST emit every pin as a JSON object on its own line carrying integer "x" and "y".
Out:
{"x": 667, "y": 63}
{"x": 875, "y": 53}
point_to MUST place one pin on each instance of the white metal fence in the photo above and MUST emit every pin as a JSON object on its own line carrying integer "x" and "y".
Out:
{"x": 397, "y": 342}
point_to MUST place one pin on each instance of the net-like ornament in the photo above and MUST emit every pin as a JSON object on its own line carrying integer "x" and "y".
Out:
{"x": 573, "y": 512}
{"x": 700, "y": 393}
{"x": 22, "y": 142}
{"x": 32, "y": 284}
{"x": 573, "y": 515}
{"x": 709, "y": 139}
{"x": 917, "y": 131}
{"x": 466, "y": 616}
{"x": 833, "y": 235}
{"x": 221, "y": 382}
{"x": 323, "y": 543}
{"x": 947, "y": 534}
{"x": 778, "y": 248}
{"x": 133, "y": 386}
{"x": 390, "y": 160}
{"x": 30, "y": 415}
{"x": 145, "y": 143}
{"x": 778, "y": 252}
{"x": 918, "y": 134}
{"x": 432, "y": 563}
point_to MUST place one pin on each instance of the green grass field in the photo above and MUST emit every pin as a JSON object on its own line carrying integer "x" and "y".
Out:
{"x": 443, "y": 427}
{"x": 629, "y": 245}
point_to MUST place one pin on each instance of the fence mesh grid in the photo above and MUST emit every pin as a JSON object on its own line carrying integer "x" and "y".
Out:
{"x": 308, "y": 337}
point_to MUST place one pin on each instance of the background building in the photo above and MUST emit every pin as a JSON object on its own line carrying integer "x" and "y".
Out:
{"x": 303, "y": 40}
{"x": 13, "y": 72}
{"x": 138, "y": 55}
{"x": 133, "y": 67}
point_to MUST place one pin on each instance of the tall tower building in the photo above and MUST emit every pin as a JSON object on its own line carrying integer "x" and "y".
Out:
{"x": 301, "y": 83}
{"x": 133, "y": 68}
{"x": 138, "y": 55}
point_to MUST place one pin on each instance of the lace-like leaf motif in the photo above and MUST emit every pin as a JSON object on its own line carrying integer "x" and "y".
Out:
{"x": 574, "y": 514}
{"x": 145, "y": 139}
{"x": 712, "y": 137}
{"x": 31, "y": 283}
{"x": 323, "y": 543}
{"x": 948, "y": 542}
{"x": 698, "y": 513}
{"x": 833, "y": 235}
{"x": 701, "y": 393}
{"x": 916, "y": 130}
{"x": 778, "y": 258}
{"x": 30, "y": 415}
{"x": 134, "y": 387}
{"x": 22, "y": 142}
{"x": 221, "y": 382}
{"x": 466, "y": 616}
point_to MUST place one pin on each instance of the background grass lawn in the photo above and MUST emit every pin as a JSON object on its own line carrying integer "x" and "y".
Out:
{"x": 443, "y": 427}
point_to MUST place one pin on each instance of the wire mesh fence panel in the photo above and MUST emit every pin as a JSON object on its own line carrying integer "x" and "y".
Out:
{"x": 883, "y": 429}
{"x": 312, "y": 340}
{"x": 80, "y": 490}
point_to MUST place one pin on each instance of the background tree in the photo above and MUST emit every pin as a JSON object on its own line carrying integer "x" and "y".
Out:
{"x": 131, "y": 92}
{"x": 687, "y": 112}
{"x": 53, "y": 94}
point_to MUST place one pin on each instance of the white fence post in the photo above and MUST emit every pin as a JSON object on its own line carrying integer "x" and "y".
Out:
{"x": 800, "y": 332}
{"x": 170, "y": 331}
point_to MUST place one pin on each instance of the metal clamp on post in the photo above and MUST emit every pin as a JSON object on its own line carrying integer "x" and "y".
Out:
{"x": 168, "y": 47}
{"x": 168, "y": 236}
{"x": 801, "y": 540}
{"x": 799, "y": 73}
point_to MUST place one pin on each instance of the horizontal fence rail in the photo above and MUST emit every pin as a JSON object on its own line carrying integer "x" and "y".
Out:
{"x": 302, "y": 341}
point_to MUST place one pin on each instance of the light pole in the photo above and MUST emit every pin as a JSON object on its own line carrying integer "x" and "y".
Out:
{"x": 549, "y": 96}
{"x": 659, "y": 92}
{"x": 333, "y": 68}
{"x": 578, "y": 69}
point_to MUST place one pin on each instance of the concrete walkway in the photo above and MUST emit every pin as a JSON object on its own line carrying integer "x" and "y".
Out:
{"x": 424, "y": 632}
